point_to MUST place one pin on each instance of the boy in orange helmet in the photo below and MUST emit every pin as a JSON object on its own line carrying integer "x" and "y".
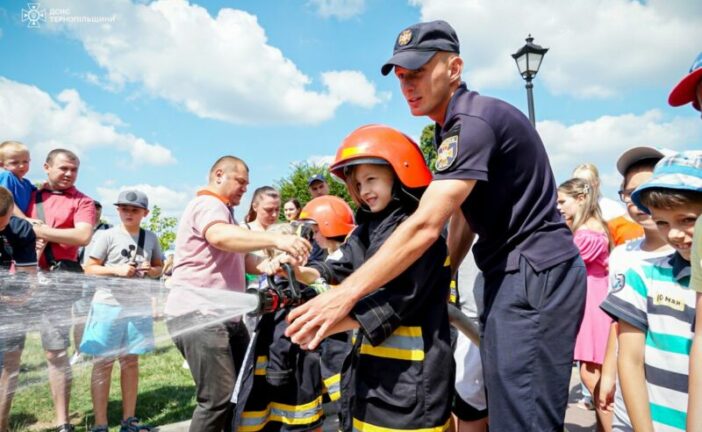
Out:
{"x": 400, "y": 372}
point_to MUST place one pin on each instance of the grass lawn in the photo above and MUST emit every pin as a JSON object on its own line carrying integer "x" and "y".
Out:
{"x": 166, "y": 390}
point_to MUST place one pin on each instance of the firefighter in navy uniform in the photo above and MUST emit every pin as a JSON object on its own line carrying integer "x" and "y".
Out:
{"x": 399, "y": 374}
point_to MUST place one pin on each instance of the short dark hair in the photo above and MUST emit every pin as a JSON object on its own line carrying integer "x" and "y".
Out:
{"x": 59, "y": 151}
{"x": 226, "y": 160}
{"x": 669, "y": 199}
{"x": 6, "y": 201}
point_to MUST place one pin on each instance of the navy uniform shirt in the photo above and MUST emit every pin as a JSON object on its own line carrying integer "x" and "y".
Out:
{"x": 512, "y": 207}
{"x": 17, "y": 242}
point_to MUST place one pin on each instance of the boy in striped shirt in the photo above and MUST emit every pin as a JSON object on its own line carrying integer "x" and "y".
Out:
{"x": 654, "y": 305}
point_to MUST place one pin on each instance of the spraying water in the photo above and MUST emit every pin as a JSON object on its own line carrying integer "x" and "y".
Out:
{"x": 63, "y": 302}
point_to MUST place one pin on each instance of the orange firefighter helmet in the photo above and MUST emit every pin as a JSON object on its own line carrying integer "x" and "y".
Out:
{"x": 376, "y": 143}
{"x": 331, "y": 214}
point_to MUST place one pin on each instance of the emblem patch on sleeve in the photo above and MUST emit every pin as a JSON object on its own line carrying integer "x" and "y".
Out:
{"x": 619, "y": 282}
{"x": 447, "y": 153}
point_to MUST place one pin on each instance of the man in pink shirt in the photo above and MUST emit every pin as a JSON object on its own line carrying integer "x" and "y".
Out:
{"x": 68, "y": 217}
{"x": 211, "y": 255}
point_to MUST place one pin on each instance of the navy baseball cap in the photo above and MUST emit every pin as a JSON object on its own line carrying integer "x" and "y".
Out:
{"x": 133, "y": 198}
{"x": 417, "y": 44}
{"x": 686, "y": 90}
{"x": 316, "y": 177}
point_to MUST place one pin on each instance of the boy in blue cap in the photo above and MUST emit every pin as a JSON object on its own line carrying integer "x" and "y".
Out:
{"x": 689, "y": 90}
{"x": 654, "y": 306}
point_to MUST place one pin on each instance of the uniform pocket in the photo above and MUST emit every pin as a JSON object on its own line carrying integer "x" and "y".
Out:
{"x": 393, "y": 388}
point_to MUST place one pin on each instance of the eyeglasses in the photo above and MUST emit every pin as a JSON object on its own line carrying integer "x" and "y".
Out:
{"x": 625, "y": 195}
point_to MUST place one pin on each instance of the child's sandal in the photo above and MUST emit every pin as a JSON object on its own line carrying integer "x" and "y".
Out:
{"x": 132, "y": 425}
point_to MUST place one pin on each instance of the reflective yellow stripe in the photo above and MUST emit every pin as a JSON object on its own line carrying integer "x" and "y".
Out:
{"x": 333, "y": 387}
{"x": 415, "y": 332}
{"x": 261, "y": 364}
{"x": 349, "y": 151}
{"x": 453, "y": 296}
{"x": 282, "y": 413}
{"x": 360, "y": 426}
{"x": 396, "y": 353}
{"x": 447, "y": 262}
{"x": 405, "y": 343}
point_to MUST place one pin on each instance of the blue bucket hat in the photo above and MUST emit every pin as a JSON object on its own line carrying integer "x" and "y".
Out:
{"x": 681, "y": 171}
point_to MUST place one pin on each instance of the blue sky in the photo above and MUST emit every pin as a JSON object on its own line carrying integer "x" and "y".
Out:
{"x": 151, "y": 93}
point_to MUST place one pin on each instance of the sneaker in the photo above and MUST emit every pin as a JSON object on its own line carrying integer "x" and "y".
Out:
{"x": 66, "y": 428}
{"x": 100, "y": 428}
{"x": 132, "y": 425}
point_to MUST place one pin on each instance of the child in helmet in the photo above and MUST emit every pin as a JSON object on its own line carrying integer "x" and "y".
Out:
{"x": 399, "y": 374}
{"x": 331, "y": 220}
{"x": 283, "y": 386}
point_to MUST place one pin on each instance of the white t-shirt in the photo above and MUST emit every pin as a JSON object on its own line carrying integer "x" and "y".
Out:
{"x": 470, "y": 385}
{"x": 622, "y": 258}
{"x": 610, "y": 208}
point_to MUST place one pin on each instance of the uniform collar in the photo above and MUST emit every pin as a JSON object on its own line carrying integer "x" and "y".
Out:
{"x": 681, "y": 267}
{"x": 450, "y": 111}
{"x": 208, "y": 192}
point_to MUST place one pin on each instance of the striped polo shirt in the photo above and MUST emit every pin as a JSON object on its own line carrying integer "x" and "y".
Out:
{"x": 655, "y": 298}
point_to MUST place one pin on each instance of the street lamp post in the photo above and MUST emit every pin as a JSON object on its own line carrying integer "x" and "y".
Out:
{"x": 528, "y": 60}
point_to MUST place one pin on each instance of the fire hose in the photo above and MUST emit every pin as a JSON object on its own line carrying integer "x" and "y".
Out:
{"x": 282, "y": 293}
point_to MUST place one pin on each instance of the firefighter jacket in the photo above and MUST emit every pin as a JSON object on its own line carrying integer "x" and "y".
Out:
{"x": 283, "y": 386}
{"x": 400, "y": 373}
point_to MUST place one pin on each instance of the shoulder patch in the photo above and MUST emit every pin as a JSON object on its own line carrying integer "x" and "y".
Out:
{"x": 447, "y": 153}
{"x": 619, "y": 282}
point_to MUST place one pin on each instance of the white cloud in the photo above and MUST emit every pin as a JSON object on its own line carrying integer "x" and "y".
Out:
{"x": 340, "y": 9}
{"x": 353, "y": 86}
{"x": 169, "y": 200}
{"x": 602, "y": 140}
{"x": 320, "y": 159}
{"x": 218, "y": 67}
{"x": 596, "y": 49}
{"x": 32, "y": 116}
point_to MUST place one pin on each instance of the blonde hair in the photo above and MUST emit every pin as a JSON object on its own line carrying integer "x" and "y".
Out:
{"x": 577, "y": 187}
{"x": 589, "y": 172}
{"x": 351, "y": 182}
{"x": 8, "y": 147}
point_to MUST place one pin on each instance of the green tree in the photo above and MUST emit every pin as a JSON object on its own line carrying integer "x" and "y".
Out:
{"x": 295, "y": 184}
{"x": 426, "y": 144}
{"x": 162, "y": 226}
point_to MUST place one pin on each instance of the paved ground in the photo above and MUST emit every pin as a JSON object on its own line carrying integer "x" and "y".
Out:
{"x": 577, "y": 419}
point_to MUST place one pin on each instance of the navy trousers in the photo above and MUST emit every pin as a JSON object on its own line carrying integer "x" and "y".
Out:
{"x": 529, "y": 324}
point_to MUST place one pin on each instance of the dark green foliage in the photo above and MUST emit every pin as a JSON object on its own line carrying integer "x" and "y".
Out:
{"x": 426, "y": 144}
{"x": 295, "y": 185}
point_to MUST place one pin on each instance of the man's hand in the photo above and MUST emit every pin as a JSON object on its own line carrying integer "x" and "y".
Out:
{"x": 297, "y": 247}
{"x": 39, "y": 230}
{"x": 125, "y": 270}
{"x": 311, "y": 322}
